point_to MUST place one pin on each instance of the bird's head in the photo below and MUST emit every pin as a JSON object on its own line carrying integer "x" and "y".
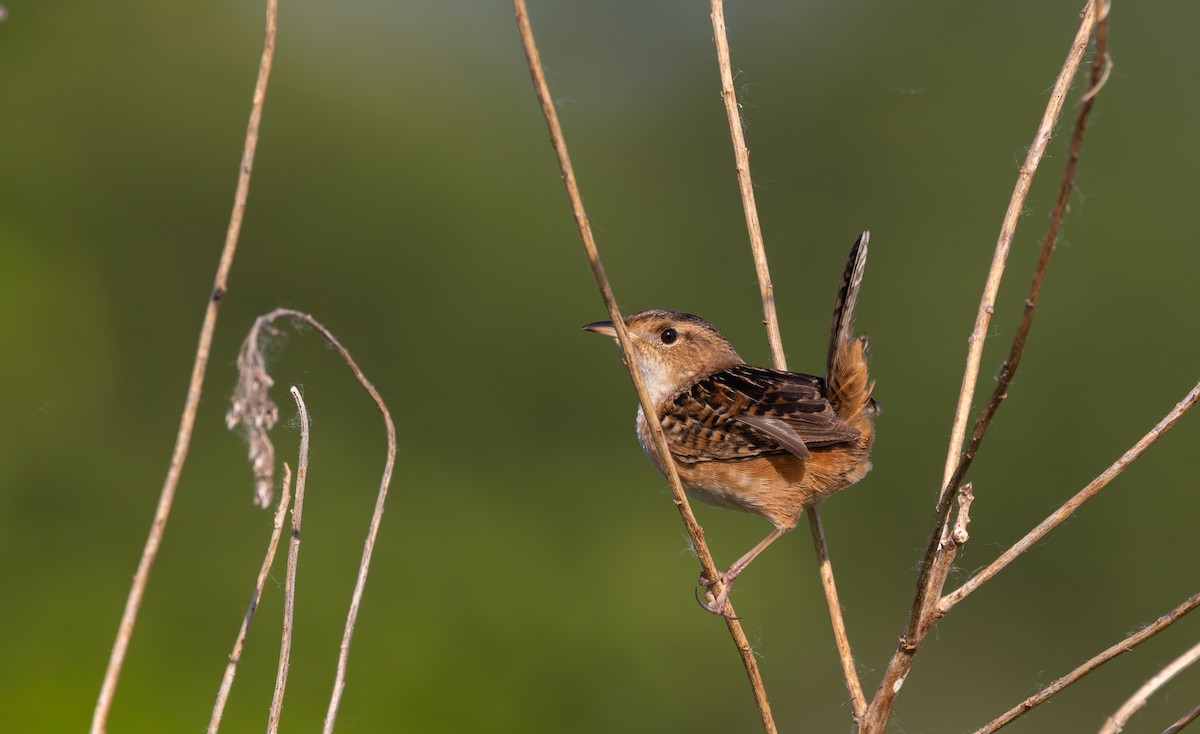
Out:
{"x": 673, "y": 349}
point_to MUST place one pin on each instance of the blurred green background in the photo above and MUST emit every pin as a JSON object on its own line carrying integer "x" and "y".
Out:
{"x": 532, "y": 574}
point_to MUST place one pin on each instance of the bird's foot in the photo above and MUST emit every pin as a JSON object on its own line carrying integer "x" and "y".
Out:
{"x": 716, "y": 603}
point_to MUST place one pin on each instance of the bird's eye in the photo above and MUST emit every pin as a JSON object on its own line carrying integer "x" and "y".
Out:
{"x": 668, "y": 336}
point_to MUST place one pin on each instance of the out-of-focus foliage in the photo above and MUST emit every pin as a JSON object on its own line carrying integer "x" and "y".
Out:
{"x": 532, "y": 574}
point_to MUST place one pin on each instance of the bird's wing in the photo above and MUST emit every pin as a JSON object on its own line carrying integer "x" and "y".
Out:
{"x": 747, "y": 411}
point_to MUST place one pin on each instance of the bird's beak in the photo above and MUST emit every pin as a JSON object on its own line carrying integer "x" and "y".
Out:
{"x": 604, "y": 328}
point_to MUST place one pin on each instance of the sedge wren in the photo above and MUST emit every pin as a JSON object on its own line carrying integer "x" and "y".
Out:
{"x": 763, "y": 441}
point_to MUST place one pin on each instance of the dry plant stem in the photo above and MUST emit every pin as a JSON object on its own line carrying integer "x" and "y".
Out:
{"x": 695, "y": 532}
{"x": 840, "y": 639}
{"x": 1099, "y": 72}
{"x": 1004, "y": 243}
{"x": 1183, "y": 721}
{"x": 1117, "y": 721}
{"x": 188, "y": 420}
{"x": 289, "y": 587}
{"x": 1009, "y": 368}
{"x": 239, "y": 643}
{"x": 741, "y": 155}
{"x": 939, "y": 554}
{"x": 1123, "y": 646}
{"x": 360, "y": 582}
{"x": 1070, "y": 506}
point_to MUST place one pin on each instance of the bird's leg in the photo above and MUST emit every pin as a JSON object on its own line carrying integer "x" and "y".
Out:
{"x": 716, "y": 602}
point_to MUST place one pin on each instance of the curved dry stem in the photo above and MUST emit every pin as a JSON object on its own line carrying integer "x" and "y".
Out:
{"x": 1096, "y": 661}
{"x": 289, "y": 587}
{"x": 1117, "y": 721}
{"x": 187, "y": 421}
{"x": 939, "y": 553}
{"x": 741, "y": 155}
{"x": 239, "y": 642}
{"x": 695, "y": 532}
{"x": 1070, "y": 506}
{"x": 360, "y": 581}
{"x": 249, "y": 405}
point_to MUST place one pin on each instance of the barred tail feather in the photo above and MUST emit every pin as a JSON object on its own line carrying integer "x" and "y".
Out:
{"x": 847, "y": 299}
{"x": 847, "y": 367}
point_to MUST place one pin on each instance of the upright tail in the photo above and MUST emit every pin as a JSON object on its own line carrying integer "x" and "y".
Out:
{"x": 849, "y": 384}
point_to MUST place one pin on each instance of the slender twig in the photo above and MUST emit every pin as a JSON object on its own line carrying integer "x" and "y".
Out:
{"x": 741, "y": 155}
{"x": 939, "y": 554}
{"x": 695, "y": 532}
{"x": 239, "y": 642}
{"x": 1182, "y": 722}
{"x": 188, "y": 420}
{"x": 360, "y": 582}
{"x": 1070, "y": 506}
{"x": 1123, "y": 646}
{"x": 1099, "y": 74}
{"x": 1007, "y": 229}
{"x": 289, "y": 586}
{"x": 840, "y": 639}
{"x": 1117, "y": 721}
{"x": 558, "y": 140}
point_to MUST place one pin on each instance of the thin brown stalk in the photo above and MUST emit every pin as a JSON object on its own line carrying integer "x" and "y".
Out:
{"x": 1117, "y": 721}
{"x": 1096, "y": 661}
{"x": 1070, "y": 506}
{"x": 1008, "y": 228}
{"x": 239, "y": 642}
{"x": 1182, "y": 722}
{"x": 741, "y": 155}
{"x": 187, "y": 421}
{"x": 695, "y": 532}
{"x": 1098, "y": 76}
{"x": 360, "y": 582}
{"x": 840, "y": 639}
{"x": 939, "y": 554}
{"x": 289, "y": 586}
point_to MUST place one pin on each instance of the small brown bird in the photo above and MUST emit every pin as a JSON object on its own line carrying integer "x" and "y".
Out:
{"x": 748, "y": 438}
